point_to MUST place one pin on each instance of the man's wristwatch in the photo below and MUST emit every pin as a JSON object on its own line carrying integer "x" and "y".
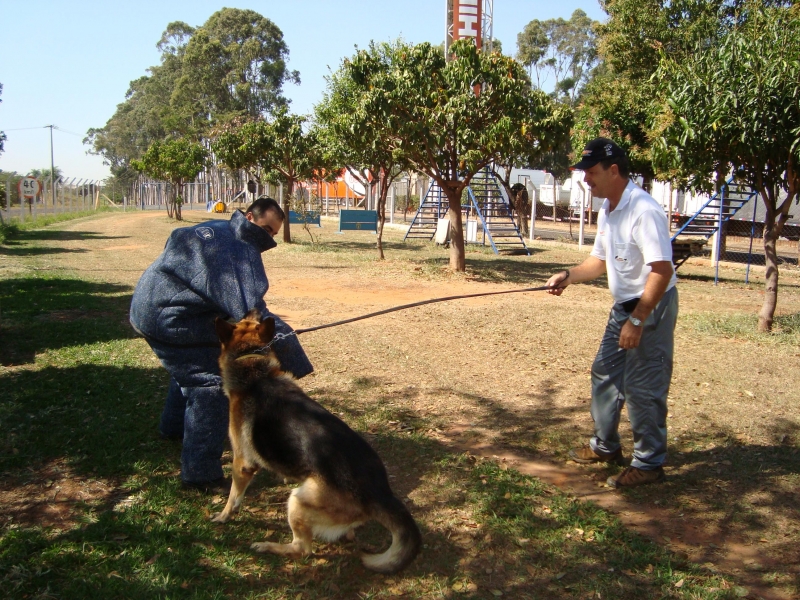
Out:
{"x": 634, "y": 321}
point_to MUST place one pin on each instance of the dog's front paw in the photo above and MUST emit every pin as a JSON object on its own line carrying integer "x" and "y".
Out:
{"x": 220, "y": 517}
{"x": 263, "y": 546}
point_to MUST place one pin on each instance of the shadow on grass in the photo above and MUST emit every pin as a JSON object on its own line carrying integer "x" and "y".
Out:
{"x": 18, "y": 243}
{"x": 98, "y": 418}
{"x": 49, "y": 312}
{"x": 13, "y": 249}
{"x": 28, "y": 235}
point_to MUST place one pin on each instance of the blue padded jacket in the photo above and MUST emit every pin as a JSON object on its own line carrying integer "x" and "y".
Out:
{"x": 210, "y": 270}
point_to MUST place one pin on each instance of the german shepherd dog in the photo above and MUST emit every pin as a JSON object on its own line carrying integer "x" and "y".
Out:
{"x": 275, "y": 425}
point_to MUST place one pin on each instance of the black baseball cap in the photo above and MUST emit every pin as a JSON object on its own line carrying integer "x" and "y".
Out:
{"x": 598, "y": 150}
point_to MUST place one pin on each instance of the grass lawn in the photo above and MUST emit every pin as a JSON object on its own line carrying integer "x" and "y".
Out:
{"x": 90, "y": 495}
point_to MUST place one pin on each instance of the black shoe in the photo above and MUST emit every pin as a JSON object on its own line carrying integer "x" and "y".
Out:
{"x": 175, "y": 437}
{"x": 217, "y": 486}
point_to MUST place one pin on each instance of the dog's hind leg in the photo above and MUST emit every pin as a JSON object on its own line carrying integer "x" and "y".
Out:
{"x": 242, "y": 476}
{"x": 300, "y": 520}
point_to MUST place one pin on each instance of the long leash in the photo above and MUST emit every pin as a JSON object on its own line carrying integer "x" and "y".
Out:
{"x": 422, "y": 303}
{"x": 280, "y": 336}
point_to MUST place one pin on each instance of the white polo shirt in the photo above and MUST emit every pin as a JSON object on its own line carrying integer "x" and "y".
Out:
{"x": 629, "y": 238}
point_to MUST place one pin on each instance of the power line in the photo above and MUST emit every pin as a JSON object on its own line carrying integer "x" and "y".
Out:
{"x": 25, "y": 128}
{"x": 56, "y": 127}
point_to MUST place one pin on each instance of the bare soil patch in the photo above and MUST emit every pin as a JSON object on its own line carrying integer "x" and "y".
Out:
{"x": 509, "y": 376}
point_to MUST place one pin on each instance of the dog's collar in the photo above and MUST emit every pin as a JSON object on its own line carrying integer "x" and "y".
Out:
{"x": 251, "y": 355}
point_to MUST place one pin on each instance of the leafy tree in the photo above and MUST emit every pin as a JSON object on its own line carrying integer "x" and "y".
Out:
{"x": 622, "y": 96}
{"x": 245, "y": 145}
{"x": 564, "y": 49}
{"x": 618, "y": 107}
{"x": 177, "y": 161}
{"x": 45, "y": 174}
{"x": 280, "y": 150}
{"x": 232, "y": 65}
{"x": 448, "y": 119}
{"x": 734, "y": 106}
{"x": 352, "y": 138}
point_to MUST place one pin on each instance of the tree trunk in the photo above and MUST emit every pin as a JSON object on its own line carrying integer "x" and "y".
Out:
{"x": 774, "y": 221}
{"x": 384, "y": 190}
{"x": 287, "y": 235}
{"x": 169, "y": 203}
{"x": 457, "y": 253}
{"x": 767, "y": 314}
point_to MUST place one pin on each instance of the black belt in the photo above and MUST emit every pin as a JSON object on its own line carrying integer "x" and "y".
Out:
{"x": 629, "y": 305}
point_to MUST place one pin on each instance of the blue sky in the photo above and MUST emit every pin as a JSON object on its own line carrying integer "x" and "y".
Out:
{"x": 69, "y": 63}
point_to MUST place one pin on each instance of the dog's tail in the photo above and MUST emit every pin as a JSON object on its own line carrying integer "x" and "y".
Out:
{"x": 406, "y": 538}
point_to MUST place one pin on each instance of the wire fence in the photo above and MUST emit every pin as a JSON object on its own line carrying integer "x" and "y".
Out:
{"x": 741, "y": 243}
{"x": 68, "y": 195}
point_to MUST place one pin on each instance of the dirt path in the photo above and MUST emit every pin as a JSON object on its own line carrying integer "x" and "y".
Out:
{"x": 310, "y": 290}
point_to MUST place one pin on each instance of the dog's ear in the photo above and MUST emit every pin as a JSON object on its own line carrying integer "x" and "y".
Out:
{"x": 266, "y": 330}
{"x": 224, "y": 330}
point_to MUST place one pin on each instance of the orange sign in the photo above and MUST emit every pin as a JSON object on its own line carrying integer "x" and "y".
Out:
{"x": 467, "y": 20}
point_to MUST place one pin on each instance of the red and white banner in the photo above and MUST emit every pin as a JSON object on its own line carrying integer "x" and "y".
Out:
{"x": 467, "y": 20}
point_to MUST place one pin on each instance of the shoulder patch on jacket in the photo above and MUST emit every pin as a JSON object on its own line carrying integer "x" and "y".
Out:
{"x": 204, "y": 233}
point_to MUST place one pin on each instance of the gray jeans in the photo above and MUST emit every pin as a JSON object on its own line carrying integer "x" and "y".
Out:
{"x": 640, "y": 376}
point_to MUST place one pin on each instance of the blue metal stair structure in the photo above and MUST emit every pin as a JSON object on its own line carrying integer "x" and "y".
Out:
{"x": 490, "y": 204}
{"x": 692, "y": 236}
{"x": 434, "y": 206}
{"x": 495, "y": 212}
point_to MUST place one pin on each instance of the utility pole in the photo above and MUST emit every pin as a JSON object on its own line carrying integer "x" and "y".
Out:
{"x": 52, "y": 168}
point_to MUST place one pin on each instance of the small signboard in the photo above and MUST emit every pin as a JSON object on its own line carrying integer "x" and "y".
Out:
{"x": 472, "y": 231}
{"x": 29, "y": 187}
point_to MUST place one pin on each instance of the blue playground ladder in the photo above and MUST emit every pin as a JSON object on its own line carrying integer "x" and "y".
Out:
{"x": 433, "y": 207}
{"x": 490, "y": 204}
{"x": 711, "y": 217}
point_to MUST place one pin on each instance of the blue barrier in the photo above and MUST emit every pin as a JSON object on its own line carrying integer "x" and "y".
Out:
{"x": 361, "y": 220}
{"x": 311, "y": 217}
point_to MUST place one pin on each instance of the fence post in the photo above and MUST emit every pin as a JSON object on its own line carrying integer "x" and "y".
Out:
{"x": 391, "y": 214}
{"x": 752, "y": 235}
{"x": 532, "y": 230}
{"x": 583, "y": 217}
{"x": 718, "y": 236}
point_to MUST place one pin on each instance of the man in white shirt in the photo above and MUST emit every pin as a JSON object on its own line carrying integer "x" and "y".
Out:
{"x": 634, "y": 362}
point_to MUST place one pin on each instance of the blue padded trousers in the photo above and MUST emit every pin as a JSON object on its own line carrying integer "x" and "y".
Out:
{"x": 640, "y": 377}
{"x": 196, "y": 408}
